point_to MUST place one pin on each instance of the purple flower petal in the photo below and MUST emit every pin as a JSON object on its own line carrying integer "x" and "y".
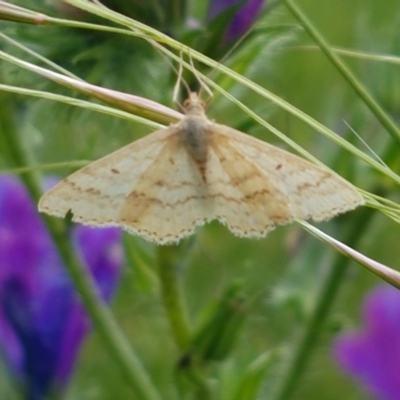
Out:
{"x": 42, "y": 322}
{"x": 372, "y": 355}
{"x": 101, "y": 249}
{"x": 242, "y": 20}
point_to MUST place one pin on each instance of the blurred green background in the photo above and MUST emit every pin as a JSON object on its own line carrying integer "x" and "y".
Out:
{"x": 282, "y": 274}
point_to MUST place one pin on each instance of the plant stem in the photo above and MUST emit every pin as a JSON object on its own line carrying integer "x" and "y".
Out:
{"x": 115, "y": 342}
{"x": 370, "y": 102}
{"x": 172, "y": 295}
{"x": 302, "y": 350}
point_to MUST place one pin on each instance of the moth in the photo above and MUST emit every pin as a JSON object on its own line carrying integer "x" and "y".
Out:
{"x": 164, "y": 185}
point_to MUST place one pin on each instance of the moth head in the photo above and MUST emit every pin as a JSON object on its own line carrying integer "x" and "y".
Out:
{"x": 193, "y": 104}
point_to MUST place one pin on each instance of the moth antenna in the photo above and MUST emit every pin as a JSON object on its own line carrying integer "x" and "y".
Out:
{"x": 180, "y": 80}
{"x": 199, "y": 79}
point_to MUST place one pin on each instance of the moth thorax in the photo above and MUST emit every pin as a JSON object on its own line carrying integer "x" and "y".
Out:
{"x": 195, "y": 137}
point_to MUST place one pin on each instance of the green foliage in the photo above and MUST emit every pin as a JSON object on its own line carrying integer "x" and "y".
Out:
{"x": 198, "y": 333}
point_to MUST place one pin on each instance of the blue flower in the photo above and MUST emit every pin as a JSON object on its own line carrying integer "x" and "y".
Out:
{"x": 42, "y": 322}
{"x": 247, "y": 12}
{"x": 372, "y": 354}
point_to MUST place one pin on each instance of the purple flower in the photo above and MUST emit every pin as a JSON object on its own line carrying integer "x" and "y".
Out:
{"x": 247, "y": 11}
{"x": 42, "y": 322}
{"x": 372, "y": 354}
